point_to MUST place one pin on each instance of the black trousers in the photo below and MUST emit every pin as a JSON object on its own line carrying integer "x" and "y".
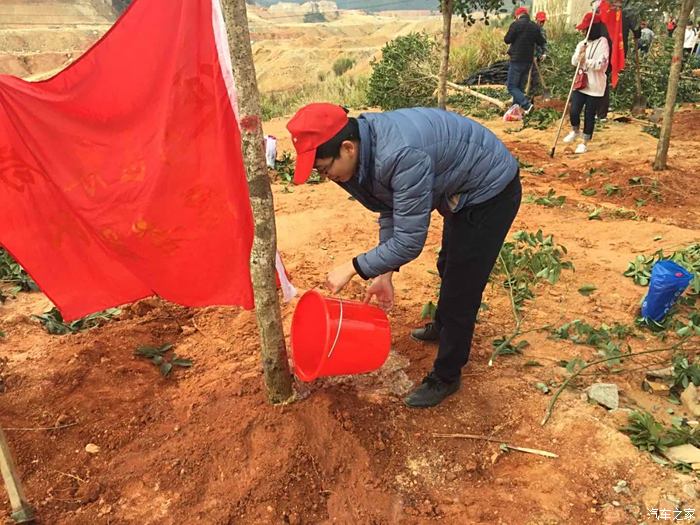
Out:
{"x": 578, "y": 102}
{"x": 471, "y": 241}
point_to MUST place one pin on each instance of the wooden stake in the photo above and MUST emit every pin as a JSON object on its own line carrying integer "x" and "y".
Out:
{"x": 21, "y": 510}
{"x": 495, "y": 440}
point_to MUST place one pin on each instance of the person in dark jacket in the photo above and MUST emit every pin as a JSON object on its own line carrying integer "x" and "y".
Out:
{"x": 403, "y": 164}
{"x": 523, "y": 35}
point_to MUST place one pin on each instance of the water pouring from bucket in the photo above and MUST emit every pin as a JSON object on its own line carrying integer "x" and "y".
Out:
{"x": 337, "y": 337}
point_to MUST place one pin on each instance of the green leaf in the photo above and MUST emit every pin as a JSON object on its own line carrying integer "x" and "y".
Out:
{"x": 595, "y": 215}
{"x": 179, "y": 361}
{"x": 542, "y": 388}
{"x": 166, "y": 368}
{"x": 428, "y": 311}
{"x": 587, "y": 289}
{"x": 588, "y": 192}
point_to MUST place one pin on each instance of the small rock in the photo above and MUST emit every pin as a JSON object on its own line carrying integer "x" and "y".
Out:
{"x": 91, "y": 448}
{"x": 605, "y": 394}
{"x": 470, "y": 466}
{"x": 615, "y": 503}
{"x": 686, "y": 453}
{"x": 690, "y": 491}
{"x": 450, "y": 476}
{"x": 293, "y": 519}
{"x": 690, "y": 401}
{"x": 621, "y": 487}
{"x": 655, "y": 387}
{"x": 188, "y": 330}
{"x": 660, "y": 373}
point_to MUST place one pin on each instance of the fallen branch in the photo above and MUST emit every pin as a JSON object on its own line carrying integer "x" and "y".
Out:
{"x": 494, "y": 440}
{"x": 58, "y": 427}
{"x": 81, "y": 480}
{"x": 476, "y": 94}
{"x": 573, "y": 376}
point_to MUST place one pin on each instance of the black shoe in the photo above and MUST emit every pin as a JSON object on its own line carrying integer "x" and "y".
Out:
{"x": 428, "y": 334}
{"x": 431, "y": 392}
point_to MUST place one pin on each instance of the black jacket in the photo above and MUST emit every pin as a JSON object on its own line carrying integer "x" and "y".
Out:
{"x": 522, "y": 36}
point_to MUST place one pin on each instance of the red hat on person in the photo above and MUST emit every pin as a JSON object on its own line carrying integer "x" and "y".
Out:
{"x": 520, "y": 11}
{"x": 586, "y": 22}
{"x": 311, "y": 126}
{"x": 541, "y": 16}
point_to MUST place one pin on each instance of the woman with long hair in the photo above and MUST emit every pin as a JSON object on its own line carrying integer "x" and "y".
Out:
{"x": 591, "y": 57}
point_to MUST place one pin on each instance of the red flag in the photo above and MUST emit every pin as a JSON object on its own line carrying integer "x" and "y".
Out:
{"x": 612, "y": 18}
{"x": 122, "y": 176}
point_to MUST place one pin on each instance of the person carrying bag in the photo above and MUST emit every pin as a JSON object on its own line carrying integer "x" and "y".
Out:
{"x": 591, "y": 58}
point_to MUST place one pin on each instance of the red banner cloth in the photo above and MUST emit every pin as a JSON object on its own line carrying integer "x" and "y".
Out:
{"x": 612, "y": 18}
{"x": 122, "y": 176}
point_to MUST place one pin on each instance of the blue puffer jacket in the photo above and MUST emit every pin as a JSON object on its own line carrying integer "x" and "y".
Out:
{"x": 413, "y": 161}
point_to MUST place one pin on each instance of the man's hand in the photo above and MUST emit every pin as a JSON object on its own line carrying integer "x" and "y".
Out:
{"x": 383, "y": 289}
{"x": 339, "y": 277}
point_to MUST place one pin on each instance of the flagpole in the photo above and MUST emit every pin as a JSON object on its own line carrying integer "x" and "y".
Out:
{"x": 596, "y": 4}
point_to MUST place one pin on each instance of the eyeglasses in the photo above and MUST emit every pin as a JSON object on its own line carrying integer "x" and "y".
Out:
{"x": 325, "y": 169}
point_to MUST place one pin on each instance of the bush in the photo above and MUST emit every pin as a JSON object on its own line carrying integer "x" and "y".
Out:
{"x": 654, "y": 69}
{"x": 341, "y": 65}
{"x": 403, "y": 77}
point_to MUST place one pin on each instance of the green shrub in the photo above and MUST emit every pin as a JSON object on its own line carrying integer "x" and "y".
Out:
{"x": 341, "y": 65}
{"x": 403, "y": 77}
{"x": 313, "y": 18}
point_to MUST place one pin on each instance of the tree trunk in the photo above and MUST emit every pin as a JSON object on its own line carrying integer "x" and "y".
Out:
{"x": 447, "y": 9}
{"x": 262, "y": 257}
{"x": 672, "y": 91}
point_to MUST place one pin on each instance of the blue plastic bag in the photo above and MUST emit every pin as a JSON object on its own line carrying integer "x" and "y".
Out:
{"x": 668, "y": 281}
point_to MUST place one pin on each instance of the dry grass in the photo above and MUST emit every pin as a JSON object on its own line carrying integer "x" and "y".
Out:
{"x": 345, "y": 90}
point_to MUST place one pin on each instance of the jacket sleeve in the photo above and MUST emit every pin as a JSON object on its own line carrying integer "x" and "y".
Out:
{"x": 508, "y": 39}
{"x": 576, "y": 56}
{"x": 412, "y": 186}
{"x": 386, "y": 226}
{"x": 599, "y": 60}
{"x": 540, "y": 40}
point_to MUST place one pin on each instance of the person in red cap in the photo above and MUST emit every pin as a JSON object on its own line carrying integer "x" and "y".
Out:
{"x": 591, "y": 58}
{"x": 540, "y": 51}
{"x": 523, "y": 35}
{"x": 402, "y": 165}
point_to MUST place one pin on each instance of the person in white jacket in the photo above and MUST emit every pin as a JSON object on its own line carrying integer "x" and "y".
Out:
{"x": 592, "y": 57}
{"x": 690, "y": 39}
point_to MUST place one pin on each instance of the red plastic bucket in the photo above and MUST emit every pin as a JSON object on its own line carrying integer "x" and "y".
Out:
{"x": 337, "y": 337}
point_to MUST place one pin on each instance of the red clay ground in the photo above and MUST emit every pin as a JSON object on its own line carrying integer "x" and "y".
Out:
{"x": 204, "y": 446}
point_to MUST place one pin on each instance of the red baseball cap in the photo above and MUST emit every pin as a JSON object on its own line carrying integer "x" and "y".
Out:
{"x": 541, "y": 16}
{"x": 586, "y": 22}
{"x": 311, "y": 126}
{"x": 520, "y": 11}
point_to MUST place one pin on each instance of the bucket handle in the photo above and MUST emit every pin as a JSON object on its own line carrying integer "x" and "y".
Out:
{"x": 337, "y": 334}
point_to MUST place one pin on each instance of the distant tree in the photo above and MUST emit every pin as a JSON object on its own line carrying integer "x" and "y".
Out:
{"x": 314, "y": 18}
{"x": 341, "y": 65}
